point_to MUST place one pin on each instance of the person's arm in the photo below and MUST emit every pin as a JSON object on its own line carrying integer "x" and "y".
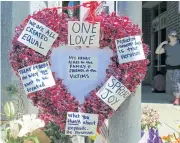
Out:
{"x": 160, "y": 49}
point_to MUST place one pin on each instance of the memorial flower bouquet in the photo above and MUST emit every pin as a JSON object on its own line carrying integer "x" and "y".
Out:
{"x": 149, "y": 119}
{"x": 152, "y": 136}
{"x": 172, "y": 138}
{"x": 21, "y": 130}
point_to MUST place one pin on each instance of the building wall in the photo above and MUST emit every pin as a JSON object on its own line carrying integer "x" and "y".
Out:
{"x": 146, "y": 30}
{"x": 173, "y": 15}
{"x": 146, "y": 25}
{"x": 6, "y": 36}
{"x": 173, "y": 22}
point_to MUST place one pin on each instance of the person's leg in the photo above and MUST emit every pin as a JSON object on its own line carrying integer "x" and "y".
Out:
{"x": 177, "y": 99}
{"x": 176, "y": 86}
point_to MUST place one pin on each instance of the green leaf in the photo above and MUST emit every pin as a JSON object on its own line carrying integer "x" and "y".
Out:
{"x": 12, "y": 110}
{"x": 7, "y": 110}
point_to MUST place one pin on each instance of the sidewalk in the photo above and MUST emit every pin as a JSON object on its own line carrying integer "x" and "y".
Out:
{"x": 169, "y": 114}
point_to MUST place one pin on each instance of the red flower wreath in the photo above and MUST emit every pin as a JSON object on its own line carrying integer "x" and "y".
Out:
{"x": 54, "y": 102}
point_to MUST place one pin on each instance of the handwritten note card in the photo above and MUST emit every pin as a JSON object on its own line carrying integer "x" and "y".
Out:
{"x": 113, "y": 93}
{"x": 83, "y": 34}
{"x": 81, "y": 124}
{"x": 130, "y": 49}
{"x": 82, "y": 67}
{"x": 37, "y": 37}
{"x": 36, "y": 77}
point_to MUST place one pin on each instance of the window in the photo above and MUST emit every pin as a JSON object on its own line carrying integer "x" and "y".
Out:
{"x": 163, "y": 35}
{"x": 155, "y": 11}
{"x": 163, "y": 38}
{"x": 163, "y": 6}
{"x": 73, "y": 3}
{"x": 65, "y": 4}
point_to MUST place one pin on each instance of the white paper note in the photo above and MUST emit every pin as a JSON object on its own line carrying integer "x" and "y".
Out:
{"x": 83, "y": 34}
{"x": 113, "y": 93}
{"x": 130, "y": 49}
{"x": 81, "y": 124}
{"x": 36, "y": 77}
{"x": 38, "y": 37}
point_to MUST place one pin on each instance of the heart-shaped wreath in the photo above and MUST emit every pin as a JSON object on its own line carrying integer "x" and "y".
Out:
{"x": 54, "y": 102}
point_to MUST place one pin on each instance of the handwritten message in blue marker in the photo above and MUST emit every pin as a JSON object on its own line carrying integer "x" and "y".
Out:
{"x": 81, "y": 124}
{"x": 36, "y": 77}
{"x": 130, "y": 49}
{"x": 82, "y": 67}
{"x": 38, "y": 37}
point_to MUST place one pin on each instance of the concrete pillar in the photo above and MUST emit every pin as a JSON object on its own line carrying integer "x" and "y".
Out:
{"x": 6, "y": 35}
{"x": 125, "y": 125}
{"x": 0, "y": 62}
{"x": 23, "y": 8}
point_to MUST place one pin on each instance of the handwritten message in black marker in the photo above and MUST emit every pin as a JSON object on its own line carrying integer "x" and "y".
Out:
{"x": 36, "y": 77}
{"x": 130, "y": 49}
{"x": 81, "y": 124}
{"x": 80, "y": 67}
{"x": 83, "y": 34}
{"x": 113, "y": 93}
{"x": 37, "y": 37}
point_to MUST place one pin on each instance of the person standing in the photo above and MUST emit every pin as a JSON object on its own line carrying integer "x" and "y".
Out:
{"x": 172, "y": 50}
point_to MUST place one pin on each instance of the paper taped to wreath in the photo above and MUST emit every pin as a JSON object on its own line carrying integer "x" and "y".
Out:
{"x": 83, "y": 34}
{"x": 113, "y": 93}
{"x": 130, "y": 49}
{"x": 36, "y": 77}
{"x": 82, "y": 124}
{"x": 38, "y": 37}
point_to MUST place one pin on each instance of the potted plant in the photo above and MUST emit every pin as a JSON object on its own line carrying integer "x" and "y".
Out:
{"x": 149, "y": 125}
{"x": 149, "y": 119}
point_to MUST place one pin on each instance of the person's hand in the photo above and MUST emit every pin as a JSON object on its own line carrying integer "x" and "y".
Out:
{"x": 165, "y": 42}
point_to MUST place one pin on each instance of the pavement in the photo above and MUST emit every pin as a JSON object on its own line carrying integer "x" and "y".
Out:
{"x": 162, "y": 102}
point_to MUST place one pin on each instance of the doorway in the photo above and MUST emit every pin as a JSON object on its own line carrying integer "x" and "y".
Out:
{"x": 159, "y": 60}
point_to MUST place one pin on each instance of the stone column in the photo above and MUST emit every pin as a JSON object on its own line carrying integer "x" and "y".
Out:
{"x": 23, "y": 9}
{"x": 125, "y": 125}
